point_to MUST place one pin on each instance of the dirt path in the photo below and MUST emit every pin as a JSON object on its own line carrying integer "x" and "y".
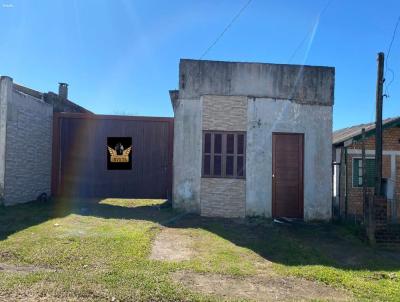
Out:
{"x": 259, "y": 288}
{"x": 172, "y": 245}
{"x": 22, "y": 269}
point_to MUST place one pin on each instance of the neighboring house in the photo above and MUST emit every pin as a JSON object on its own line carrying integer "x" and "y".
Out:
{"x": 348, "y": 182}
{"x": 26, "y": 124}
{"x": 253, "y": 139}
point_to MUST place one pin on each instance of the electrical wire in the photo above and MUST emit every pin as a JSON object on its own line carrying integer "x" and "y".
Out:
{"x": 226, "y": 28}
{"x": 393, "y": 37}
{"x": 386, "y": 93}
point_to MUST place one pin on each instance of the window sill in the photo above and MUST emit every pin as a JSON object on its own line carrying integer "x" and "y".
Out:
{"x": 224, "y": 177}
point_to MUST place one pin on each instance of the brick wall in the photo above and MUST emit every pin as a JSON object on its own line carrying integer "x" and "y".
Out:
{"x": 223, "y": 197}
{"x": 397, "y": 192}
{"x": 354, "y": 194}
{"x": 28, "y": 148}
{"x": 391, "y": 138}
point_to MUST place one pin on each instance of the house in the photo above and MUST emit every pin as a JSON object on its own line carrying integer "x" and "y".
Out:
{"x": 26, "y": 123}
{"x": 253, "y": 139}
{"x": 348, "y": 181}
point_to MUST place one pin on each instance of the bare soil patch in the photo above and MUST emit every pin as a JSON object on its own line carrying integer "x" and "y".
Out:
{"x": 10, "y": 268}
{"x": 172, "y": 245}
{"x": 259, "y": 288}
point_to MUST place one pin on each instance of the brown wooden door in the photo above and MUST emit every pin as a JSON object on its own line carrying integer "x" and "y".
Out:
{"x": 287, "y": 175}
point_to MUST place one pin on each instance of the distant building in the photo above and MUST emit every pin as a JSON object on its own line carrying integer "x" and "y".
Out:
{"x": 348, "y": 182}
{"x": 253, "y": 139}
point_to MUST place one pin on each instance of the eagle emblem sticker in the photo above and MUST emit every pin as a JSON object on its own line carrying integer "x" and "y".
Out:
{"x": 119, "y": 153}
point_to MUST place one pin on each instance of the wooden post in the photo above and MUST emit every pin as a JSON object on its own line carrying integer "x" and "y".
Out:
{"x": 345, "y": 184}
{"x": 364, "y": 177}
{"x": 378, "y": 126}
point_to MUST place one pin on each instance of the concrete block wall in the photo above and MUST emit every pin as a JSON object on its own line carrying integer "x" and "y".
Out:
{"x": 28, "y": 145}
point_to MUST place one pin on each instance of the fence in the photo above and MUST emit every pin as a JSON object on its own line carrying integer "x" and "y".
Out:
{"x": 393, "y": 209}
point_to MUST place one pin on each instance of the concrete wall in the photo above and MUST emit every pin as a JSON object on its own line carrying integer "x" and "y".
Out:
{"x": 28, "y": 146}
{"x": 187, "y": 155}
{"x": 59, "y": 103}
{"x": 5, "y": 96}
{"x": 302, "y": 84}
{"x": 269, "y": 115}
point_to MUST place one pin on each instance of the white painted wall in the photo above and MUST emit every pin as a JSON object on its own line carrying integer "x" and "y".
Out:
{"x": 266, "y": 116}
{"x": 187, "y": 155}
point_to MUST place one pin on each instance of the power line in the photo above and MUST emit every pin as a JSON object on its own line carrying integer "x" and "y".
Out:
{"x": 226, "y": 28}
{"x": 387, "y": 58}
{"x": 393, "y": 36}
{"x": 310, "y": 31}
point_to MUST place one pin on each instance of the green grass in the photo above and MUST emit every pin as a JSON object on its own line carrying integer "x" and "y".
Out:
{"x": 89, "y": 250}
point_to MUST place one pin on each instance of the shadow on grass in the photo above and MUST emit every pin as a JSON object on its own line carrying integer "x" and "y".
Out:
{"x": 19, "y": 217}
{"x": 292, "y": 245}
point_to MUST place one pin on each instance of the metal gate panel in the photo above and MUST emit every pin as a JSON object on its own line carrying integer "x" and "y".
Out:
{"x": 80, "y": 156}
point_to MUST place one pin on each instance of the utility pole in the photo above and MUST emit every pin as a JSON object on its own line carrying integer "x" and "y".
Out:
{"x": 378, "y": 126}
{"x": 371, "y": 227}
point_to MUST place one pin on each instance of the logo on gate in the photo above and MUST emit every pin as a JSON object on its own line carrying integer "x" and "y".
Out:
{"x": 119, "y": 153}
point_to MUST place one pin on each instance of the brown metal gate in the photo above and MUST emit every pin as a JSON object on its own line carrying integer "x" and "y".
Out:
{"x": 80, "y": 156}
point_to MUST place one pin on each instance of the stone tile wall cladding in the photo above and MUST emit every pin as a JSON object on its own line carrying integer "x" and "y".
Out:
{"x": 28, "y": 141}
{"x": 391, "y": 137}
{"x": 223, "y": 196}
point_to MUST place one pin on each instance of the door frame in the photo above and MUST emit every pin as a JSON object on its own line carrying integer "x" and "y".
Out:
{"x": 301, "y": 158}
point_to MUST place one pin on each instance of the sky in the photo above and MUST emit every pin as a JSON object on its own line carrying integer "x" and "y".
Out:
{"x": 122, "y": 56}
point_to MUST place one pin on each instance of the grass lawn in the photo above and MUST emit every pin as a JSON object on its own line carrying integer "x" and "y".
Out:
{"x": 99, "y": 251}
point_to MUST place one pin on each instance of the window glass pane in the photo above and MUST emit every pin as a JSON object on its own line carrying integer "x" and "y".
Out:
{"x": 370, "y": 171}
{"x": 207, "y": 143}
{"x": 240, "y": 166}
{"x": 240, "y": 144}
{"x": 207, "y": 165}
{"x": 217, "y": 165}
{"x": 217, "y": 143}
{"x": 229, "y": 165}
{"x": 230, "y": 143}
